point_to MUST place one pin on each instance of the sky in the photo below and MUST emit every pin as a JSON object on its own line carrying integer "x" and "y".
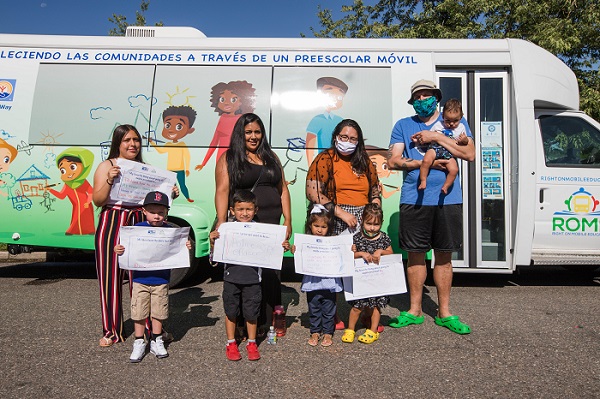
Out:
{"x": 231, "y": 18}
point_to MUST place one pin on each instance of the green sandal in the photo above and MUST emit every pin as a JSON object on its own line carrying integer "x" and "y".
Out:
{"x": 348, "y": 336}
{"x": 453, "y": 324}
{"x": 406, "y": 319}
{"x": 368, "y": 337}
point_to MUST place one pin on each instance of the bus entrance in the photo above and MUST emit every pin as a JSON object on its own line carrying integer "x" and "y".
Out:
{"x": 484, "y": 181}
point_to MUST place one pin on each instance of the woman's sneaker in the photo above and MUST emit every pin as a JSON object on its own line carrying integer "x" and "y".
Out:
{"x": 139, "y": 350}
{"x": 157, "y": 347}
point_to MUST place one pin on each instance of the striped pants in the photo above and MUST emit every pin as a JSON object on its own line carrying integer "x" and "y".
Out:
{"x": 110, "y": 277}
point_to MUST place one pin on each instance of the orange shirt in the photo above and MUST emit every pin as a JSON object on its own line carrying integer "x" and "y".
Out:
{"x": 350, "y": 189}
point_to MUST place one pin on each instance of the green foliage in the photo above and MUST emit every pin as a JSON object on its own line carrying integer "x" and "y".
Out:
{"x": 121, "y": 23}
{"x": 570, "y": 29}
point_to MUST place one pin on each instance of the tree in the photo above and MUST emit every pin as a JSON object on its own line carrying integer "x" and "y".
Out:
{"x": 121, "y": 20}
{"x": 570, "y": 29}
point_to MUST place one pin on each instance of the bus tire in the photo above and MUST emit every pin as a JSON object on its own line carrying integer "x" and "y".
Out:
{"x": 179, "y": 275}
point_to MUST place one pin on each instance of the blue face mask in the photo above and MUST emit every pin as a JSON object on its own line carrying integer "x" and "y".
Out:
{"x": 426, "y": 107}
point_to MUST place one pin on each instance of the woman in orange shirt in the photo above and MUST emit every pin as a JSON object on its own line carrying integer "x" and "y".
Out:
{"x": 343, "y": 177}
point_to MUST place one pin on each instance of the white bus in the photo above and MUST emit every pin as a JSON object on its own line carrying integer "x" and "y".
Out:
{"x": 531, "y": 196}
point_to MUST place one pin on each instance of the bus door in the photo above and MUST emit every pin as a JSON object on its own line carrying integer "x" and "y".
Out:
{"x": 485, "y": 184}
{"x": 567, "y": 188}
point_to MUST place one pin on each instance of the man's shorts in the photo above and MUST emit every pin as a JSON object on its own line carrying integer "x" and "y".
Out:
{"x": 430, "y": 227}
{"x": 251, "y": 296}
{"x": 149, "y": 300}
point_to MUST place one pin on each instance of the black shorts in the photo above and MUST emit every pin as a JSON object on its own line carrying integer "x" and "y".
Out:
{"x": 431, "y": 227}
{"x": 251, "y": 295}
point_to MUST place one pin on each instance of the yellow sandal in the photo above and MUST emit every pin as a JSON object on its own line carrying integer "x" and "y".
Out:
{"x": 348, "y": 336}
{"x": 368, "y": 337}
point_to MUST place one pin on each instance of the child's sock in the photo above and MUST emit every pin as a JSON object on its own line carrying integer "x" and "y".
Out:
{"x": 251, "y": 340}
{"x": 142, "y": 337}
{"x": 230, "y": 341}
{"x": 153, "y": 336}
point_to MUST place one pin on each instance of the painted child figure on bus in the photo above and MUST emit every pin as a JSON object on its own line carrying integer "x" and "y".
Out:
{"x": 8, "y": 153}
{"x": 370, "y": 243}
{"x": 451, "y": 127}
{"x": 178, "y": 122}
{"x": 150, "y": 289}
{"x": 230, "y": 101}
{"x": 242, "y": 284}
{"x": 320, "y": 291}
{"x": 75, "y": 164}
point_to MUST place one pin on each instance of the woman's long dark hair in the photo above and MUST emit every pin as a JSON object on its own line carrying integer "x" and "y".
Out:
{"x": 117, "y": 138}
{"x": 237, "y": 161}
{"x": 359, "y": 158}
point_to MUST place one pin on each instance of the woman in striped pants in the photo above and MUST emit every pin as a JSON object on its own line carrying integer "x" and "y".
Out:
{"x": 126, "y": 143}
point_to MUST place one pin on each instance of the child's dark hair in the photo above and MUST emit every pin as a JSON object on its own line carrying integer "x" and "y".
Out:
{"x": 243, "y": 196}
{"x": 181, "y": 110}
{"x": 373, "y": 211}
{"x": 315, "y": 212}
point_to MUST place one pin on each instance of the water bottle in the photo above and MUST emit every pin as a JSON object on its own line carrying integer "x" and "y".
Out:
{"x": 271, "y": 336}
{"x": 279, "y": 320}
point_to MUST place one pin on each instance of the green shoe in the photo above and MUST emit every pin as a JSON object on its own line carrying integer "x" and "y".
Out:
{"x": 453, "y": 324}
{"x": 406, "y": 319}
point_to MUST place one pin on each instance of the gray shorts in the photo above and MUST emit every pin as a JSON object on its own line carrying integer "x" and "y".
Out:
{"x": 430, "y": 227}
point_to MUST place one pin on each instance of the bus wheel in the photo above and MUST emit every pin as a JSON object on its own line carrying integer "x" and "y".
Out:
{"x": 179, "y": 275}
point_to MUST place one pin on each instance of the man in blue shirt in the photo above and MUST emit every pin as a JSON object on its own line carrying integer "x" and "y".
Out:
{"x": 429, "y": 218}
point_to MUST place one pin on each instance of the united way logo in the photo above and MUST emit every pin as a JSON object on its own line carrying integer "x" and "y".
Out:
{"x": 7, "y": 89}
{"x": 581, "y": 216}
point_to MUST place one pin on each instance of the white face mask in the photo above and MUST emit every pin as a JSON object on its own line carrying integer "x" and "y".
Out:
{"x": 345, "y": 147}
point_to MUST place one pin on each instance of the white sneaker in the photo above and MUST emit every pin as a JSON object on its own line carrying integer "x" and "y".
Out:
{"x": 139, "y": 350}
{"x": 157, "y": 348}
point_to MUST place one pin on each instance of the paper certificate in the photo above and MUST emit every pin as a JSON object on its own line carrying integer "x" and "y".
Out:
{"x": 250, "y": 244}
{"x": 154, "y": 248}
{"x": 138, "y": 179}
{"x": 330, "y": 256}
{"x": 371, "y": 280}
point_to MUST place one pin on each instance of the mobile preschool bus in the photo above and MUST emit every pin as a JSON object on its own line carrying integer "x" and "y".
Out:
{"x": 531, "y": 195}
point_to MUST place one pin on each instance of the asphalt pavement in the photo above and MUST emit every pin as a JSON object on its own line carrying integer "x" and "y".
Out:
{"x": 536, "y": 334}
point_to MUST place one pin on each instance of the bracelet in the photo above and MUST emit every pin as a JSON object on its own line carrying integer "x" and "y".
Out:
{"x": 109, "y": 183}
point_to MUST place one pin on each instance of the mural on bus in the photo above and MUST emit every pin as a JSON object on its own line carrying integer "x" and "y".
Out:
{"x": 186, "y": 115}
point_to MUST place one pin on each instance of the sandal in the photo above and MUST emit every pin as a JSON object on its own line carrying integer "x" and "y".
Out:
{"x": 105, "y": 342}
{"x": 406, "y": 319}
{"x": 314, "y": 339}
{"x": 368, "y": 337}
{"x": 327, "y": 340}
{"x": 348, "y": 336}
{"x": 453, "y": 324}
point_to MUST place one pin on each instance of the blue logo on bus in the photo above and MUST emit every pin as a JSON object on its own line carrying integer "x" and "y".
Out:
{"x": 7, "y": 89}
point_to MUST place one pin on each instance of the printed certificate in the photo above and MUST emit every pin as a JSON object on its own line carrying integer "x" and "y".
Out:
{"x": 138, "y": 179}
{"x": 154, "y": 248}
{"x": 371, "y": 280}
{"x": 250, "y": 244}
{"x": 329, "y": 256}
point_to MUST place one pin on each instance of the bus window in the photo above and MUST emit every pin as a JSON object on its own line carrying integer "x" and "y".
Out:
{"x": 570, "y": 141}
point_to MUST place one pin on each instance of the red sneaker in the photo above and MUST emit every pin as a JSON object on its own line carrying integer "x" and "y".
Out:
{"x": 340, "y": 325}
{"x": 232, "y": 352}
{"x": 252, "y": 350}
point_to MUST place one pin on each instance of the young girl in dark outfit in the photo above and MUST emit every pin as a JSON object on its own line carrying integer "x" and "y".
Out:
{"x": 370, "y": 244}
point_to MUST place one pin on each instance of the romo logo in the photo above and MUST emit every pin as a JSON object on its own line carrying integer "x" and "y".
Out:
{"x": 7, "y": 89}
{"x": 581, "y": 216}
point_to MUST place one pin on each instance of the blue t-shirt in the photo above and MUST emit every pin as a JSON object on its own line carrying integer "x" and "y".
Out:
{"x": 322, "y": 126}
{"x": 152, "y": 277}
{"x": 403, "y": 130}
